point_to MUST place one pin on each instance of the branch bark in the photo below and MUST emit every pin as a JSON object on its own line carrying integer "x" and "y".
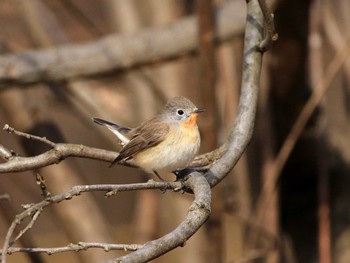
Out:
{"x": 225, "y": 157}
{"x": 242, "y": 129}
{"x": 197, "y": 214}
{"x": 36, "y": 209}
{"x": 54, "y": 156}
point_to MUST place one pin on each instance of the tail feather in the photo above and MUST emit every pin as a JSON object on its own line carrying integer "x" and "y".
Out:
{"x": 115, "y": 128}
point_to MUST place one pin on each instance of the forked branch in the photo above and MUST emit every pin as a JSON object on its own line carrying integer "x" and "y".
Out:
{"x": 219, "y": 162}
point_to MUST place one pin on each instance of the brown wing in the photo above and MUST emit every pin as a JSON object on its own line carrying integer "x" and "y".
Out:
{"x": 148, "y": 134}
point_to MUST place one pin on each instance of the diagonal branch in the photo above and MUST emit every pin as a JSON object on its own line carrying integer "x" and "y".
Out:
{"x": 242, "y": 129}
{"x": 28, "y": 136}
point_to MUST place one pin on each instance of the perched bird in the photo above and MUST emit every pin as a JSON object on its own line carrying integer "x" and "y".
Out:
{"x": 167, "y": 142}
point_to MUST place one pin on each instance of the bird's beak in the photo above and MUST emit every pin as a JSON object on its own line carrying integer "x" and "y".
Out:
{"x": 192, "y": 119}
{"x": 198, "y": 110}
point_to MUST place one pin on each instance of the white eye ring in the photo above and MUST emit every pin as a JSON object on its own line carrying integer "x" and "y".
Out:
{"x": 180, "y": 112}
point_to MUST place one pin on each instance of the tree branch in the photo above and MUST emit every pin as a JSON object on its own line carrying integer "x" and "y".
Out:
{"x": 35, "y": 209}
{"x": 28, "y": 136}
{"x": 5, "y": 153}
{"x": 61, "y": 151}
{"x": 242, "y": 129}
{"x": 80, "y": 246}
{"x": 224, "y": 158}
{"x": 197, "y": 214}
{"x": 270, "y": 35}
{"x": 117, "y": 52}
{"x": 55, "y": 156}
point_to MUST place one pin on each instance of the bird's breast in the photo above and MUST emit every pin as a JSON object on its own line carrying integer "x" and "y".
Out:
{"x": 176, "y": 151}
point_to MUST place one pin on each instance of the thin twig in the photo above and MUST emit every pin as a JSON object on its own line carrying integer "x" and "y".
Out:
{"x": 35, "y": 209}
{"x": 270, "y": 35}
{"x": 80, "y": 246}
{"x": 6, "y": 245}
{"x": 29, "y": 226}
{"x": 28, "y": 136}
{"x": 42, "y": 184}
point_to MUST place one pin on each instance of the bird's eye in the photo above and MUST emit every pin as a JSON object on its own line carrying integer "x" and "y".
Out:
{"x": 180, "y": 112}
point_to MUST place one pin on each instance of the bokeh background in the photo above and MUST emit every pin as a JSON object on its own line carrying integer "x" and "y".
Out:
{"x": 276, "y": 206}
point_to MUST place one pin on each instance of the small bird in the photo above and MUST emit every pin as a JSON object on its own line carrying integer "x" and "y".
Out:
{"x": 167, "y": 142}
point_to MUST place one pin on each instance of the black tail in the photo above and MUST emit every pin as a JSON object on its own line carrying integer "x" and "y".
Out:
{"x": 111, "y": 124}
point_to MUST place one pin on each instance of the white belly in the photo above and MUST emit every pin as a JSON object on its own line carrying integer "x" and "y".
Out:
{"x": 174, "y": 153}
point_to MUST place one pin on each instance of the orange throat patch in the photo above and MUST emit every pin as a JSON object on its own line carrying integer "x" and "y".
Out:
{"x": 192, "y": 120}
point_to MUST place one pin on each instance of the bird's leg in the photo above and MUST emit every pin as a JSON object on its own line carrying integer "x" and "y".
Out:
{"x": 159, "y": 177}
{"x": 182, "y": 174}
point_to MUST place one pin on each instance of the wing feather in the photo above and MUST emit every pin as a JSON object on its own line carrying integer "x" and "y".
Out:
{"x": 145, "y": 136}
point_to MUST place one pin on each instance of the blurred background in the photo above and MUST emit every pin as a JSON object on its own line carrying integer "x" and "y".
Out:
{"x": 289, "y": 205}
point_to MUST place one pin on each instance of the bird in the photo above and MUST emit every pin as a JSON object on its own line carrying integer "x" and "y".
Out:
{"x": 168, "y": 141}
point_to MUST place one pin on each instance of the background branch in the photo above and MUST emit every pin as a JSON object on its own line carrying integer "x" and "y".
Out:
{"x": 116, "y": 52}
{"x": 313, "y": 161}
{"x": 240, "y": 134}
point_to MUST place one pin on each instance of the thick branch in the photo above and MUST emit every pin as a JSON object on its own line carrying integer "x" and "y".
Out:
{"x": 61, "y": 151}
{"x": 54, "y": 156}
{"x": 116, "y": 52}
{"x": 197, "y": 214}
{"x": 242, "y": 129}
{"x": 225, "y": 157}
